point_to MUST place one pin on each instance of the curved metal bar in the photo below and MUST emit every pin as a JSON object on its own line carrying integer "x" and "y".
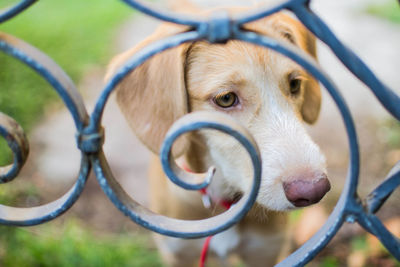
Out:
{"x": 15, "y": 10}
{"x": 186, "y": 180}
{"x": 377, "y": 228}
{"x": 37, "y": 215}
{"x": 50, "y": 71}
{"x": 379, "y": 195}
{"x": 267, "y": 11}
{"x": 218, "y": 28}
{"x": 192, "y": 122}
{"x": 185, "y": 228}
{"x": 136, "y": 60}
{"x": 19, "y": 145}
{"x": 389, "y": 100}
{"x": 314, "y": 245}
{"x": 57, "y": 78}
{"x": 165, "y": 16}
{"x": 320, "y": 239}
{"x": 309, "y": 64}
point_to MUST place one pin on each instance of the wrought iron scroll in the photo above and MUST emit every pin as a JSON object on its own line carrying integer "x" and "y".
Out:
{"x": 218, "y": 28}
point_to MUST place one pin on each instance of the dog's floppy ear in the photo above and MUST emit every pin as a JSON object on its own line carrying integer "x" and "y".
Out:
{"x": 153, "y": 95}
{"x": 293, "y": 31}
{"x": 312, "y": 92}
{"x": 312, "y": 101}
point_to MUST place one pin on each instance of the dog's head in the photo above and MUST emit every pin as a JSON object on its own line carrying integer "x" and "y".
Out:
{"x": 266, "y": 92}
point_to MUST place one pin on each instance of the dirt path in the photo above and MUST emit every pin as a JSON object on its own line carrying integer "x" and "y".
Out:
{"x": 376, "y": 41}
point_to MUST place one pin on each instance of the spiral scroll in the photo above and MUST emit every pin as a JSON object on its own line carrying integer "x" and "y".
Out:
{"x": 18, "y": 143}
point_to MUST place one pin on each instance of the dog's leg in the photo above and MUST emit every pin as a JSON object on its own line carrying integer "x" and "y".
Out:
{"x": 258, "y": 250}
{"x": 176, "y": 252}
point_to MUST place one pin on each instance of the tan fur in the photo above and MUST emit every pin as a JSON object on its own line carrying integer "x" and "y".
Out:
{"x": 152, "y": 111}
{"x": 185, "y": 79}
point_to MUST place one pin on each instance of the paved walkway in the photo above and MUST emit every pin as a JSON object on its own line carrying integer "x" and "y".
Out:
{"x": 376, "y": 41}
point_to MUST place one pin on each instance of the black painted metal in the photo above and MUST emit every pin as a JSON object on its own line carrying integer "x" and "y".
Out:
{"x": 218, "y": 28}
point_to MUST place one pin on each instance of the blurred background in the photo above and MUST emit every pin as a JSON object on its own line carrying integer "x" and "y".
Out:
{"x": 82, "y": 37}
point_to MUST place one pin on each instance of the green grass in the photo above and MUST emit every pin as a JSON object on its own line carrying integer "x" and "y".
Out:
{"x": 5, "y": 152}
{"x": 77, "y": 34}
{"x": 68, "y": 244}
{"x": 73, "y": 245}
{"x": 388, "y": 9}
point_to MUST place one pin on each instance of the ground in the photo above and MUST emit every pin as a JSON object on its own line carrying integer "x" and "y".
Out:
{"x": 54, "y": 164}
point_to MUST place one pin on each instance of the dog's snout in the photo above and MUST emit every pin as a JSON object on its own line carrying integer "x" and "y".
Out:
{"x": 303, "y": 192}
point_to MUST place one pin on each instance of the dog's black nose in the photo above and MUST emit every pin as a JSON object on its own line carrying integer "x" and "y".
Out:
{"x": 303, "y": 192}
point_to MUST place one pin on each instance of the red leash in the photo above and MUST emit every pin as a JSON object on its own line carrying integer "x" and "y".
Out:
{"x": 207, "y": 203}
{"x": 203, "y": 255}
{"x": 226, "y": 204}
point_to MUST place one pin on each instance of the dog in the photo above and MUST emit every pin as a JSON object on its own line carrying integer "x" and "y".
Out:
{"x": 269, "y": 94}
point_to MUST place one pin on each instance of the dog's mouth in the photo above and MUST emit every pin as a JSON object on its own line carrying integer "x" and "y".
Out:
{"x": 237, "y": 196}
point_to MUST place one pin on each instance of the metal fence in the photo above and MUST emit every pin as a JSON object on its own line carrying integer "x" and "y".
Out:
{"x": 218, "y": 28}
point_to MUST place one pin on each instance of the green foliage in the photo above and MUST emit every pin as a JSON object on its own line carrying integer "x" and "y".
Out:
{"x": 388, "y": 9}
{"x": 329, "y": 262}
{"x": 5, "y": 154}
{"x": 72, "y": 245}
{"x": 390, "y": 133}
{"x": 76, "y": 34}
{"x": 7, "y": 3}
{"x": 359, "y": 243}
{"x": 18, "y": 193}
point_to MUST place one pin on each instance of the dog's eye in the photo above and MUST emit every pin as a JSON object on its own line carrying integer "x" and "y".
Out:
{"x": 226, "y": 99}
{"x": 295, "y": 86}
